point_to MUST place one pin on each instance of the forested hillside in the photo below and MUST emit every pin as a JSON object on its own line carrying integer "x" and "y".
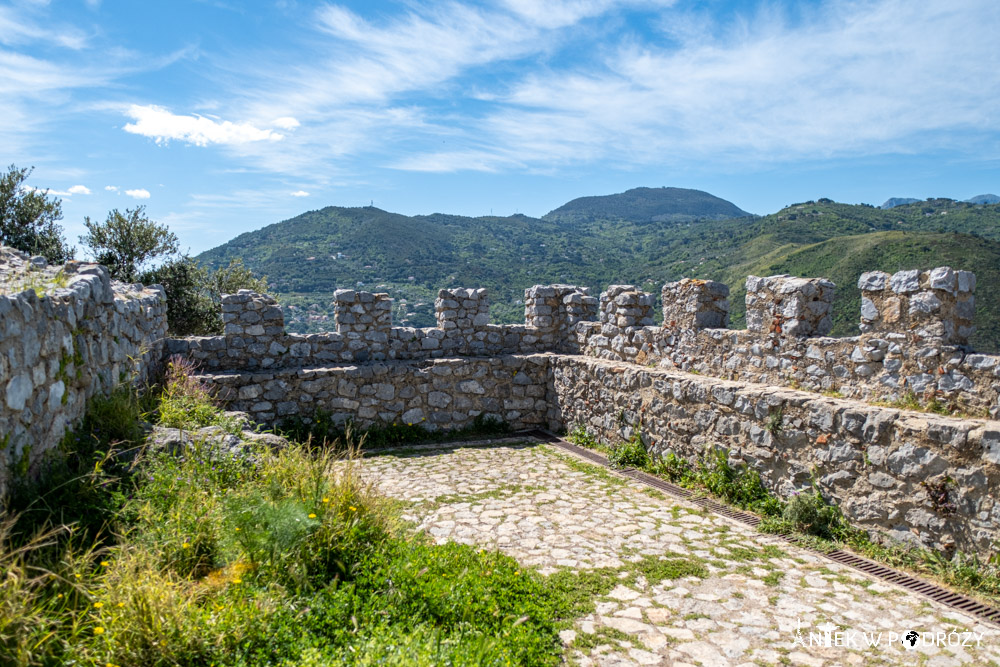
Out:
{"x": 308, "y": 257}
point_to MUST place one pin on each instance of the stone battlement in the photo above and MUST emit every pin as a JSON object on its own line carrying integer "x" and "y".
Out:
{"x": 66, "y": 333}
{"x": 689, "y": 384}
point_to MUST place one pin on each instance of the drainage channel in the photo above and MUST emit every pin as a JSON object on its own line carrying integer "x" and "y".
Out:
{"x": 966, "y": 605}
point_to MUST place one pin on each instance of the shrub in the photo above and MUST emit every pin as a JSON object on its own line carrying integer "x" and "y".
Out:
{"x": 809, "y": 513}
{"x": 631, "y": 453}
{"x": 185, "y": 402}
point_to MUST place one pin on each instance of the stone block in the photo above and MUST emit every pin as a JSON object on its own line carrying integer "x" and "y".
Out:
{"x": 788, "y": 306}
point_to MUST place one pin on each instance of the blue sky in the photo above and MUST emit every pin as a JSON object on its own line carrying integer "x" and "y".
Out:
{"x": 224, "y": 116}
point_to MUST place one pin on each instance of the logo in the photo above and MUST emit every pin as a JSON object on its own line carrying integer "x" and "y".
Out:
{"x": 829, "y": 636}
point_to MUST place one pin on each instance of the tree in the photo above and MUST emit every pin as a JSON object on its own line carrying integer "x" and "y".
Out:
{"x": 28, "y": 218}
{"x": 126, "y": 242}
{"x": 194, "y": 296}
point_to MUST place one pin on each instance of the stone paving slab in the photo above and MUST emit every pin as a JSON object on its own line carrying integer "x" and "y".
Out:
{"x": 759, "y": 601}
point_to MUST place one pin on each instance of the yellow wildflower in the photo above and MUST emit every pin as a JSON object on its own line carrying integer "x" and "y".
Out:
{"x": 185, "y": 546}
{"x": 312, "y": 516}
{"x": 326, "y": 500}
{"x": 98, "y": 605}
{"x": 104, "y": 563}
{"x": 98, "y": 630}
{"x": 353, "y": 508}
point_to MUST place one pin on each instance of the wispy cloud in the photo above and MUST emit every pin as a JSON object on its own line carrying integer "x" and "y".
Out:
{"x": 300, "y": 193}
{"x": 855, "y": 78}
{"x": 17, "y": 28}
{"x": 140, "y": 193}
{"x": 162, "y": 126}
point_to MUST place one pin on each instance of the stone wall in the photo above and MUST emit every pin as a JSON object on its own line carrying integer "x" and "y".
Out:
{"x": 789, "y": 306}
{"x": 916, "y": 476}
{"x": 440, "y": 393}
{"x": 885, "y": 467}
{"x": 555, "y": 310}
{"x": 365, "y": 331}
{"x": 936, "y": 307}
{"x": 783, "y": 345}
{"x": 66, "y": 333}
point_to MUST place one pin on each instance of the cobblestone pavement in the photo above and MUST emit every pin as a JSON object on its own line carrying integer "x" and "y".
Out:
{"x": 738, "y": 597}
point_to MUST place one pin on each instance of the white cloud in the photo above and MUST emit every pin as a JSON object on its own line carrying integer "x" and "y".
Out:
{"x": 300, "y": 193}
{"x": 560, "y": 13}
{"x": 141, "y": 193}
{"x": 17, "y": 28}
{"x": 79, "y": 190}
{"x": 162, "y": 126}
{"x": 285, "y": 123}
{"x": 111, "y": 188}
{"x": 850, "y": 79}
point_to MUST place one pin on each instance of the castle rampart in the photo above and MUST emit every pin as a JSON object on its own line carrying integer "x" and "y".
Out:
{"x": 66, "y": 333}
{"x": 690, "y": 384}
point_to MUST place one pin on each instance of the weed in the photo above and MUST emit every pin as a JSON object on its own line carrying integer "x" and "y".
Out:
{"x": 775, "y": 421}
{"x": 631, "y": 453}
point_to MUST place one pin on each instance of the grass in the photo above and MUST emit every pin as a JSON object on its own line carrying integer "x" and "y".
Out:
{"x": 816, "y": 522}
{"x": 36, "y": 280}
{"x": 930, "y": 404}
{"x": 120, "y": 556}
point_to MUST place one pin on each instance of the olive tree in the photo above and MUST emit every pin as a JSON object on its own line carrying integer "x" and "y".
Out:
{"x": 28, "y": 218}
{"x": 127, "y": 242}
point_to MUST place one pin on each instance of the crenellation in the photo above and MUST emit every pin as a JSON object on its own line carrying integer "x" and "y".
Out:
{"x": 690, "y": 304}
{"x": 555, "y": 310}
{"x": 690, "y": 384}
{"x": 787, "y": 306}
{"x": 362, "y": 312}
{"x": 935, "y": 307}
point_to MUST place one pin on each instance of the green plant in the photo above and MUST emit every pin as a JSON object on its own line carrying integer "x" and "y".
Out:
{"x": 775, "y": 421}
{"x": 184, "y": 401}
{"x": 581, "y": 437}
{"x": 28, "y": 218}
{"x": 125, "y": 242}
{"x": 809, "y": 513}
{"x": 630, "y": 453}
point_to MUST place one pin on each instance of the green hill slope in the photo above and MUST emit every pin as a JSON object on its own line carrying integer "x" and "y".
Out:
{"x": 307, "y": 257}
{"x": 843, "y": 259}
{"x": 648, "y": 204}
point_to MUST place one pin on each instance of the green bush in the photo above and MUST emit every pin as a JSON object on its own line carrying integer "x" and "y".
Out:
{"x": 809, "y": 513}
{"x": 184, "y": 402}
{"x": 631, "y": 453}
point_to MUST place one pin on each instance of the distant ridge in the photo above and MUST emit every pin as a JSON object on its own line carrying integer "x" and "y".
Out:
{"x": 899, "y": 201}
{"x": 647, "y": 205}
{"x": 984, "y": 199}
{"x": 979, "y": 200}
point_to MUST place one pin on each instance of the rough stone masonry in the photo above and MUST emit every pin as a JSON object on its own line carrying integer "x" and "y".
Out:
{"x": 66, "y": 333}
{"x": 781, "y": 396}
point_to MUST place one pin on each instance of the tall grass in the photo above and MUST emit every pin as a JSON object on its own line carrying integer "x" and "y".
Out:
{"x": 266, "y": 557}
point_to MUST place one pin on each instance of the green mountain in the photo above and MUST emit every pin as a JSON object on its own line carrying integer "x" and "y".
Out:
{"x": 307, "y": 257}
{"x": 647, "y": 205}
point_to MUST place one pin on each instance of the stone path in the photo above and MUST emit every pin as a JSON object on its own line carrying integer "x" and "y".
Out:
{"x": 737, "y": 597}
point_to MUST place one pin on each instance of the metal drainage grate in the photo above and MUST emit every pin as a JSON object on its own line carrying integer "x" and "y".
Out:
{"x": 966, "y": 605}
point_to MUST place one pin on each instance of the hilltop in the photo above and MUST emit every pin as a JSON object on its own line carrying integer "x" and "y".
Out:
{"x": 647, "y": 205}
{"x": 307, "y": 257}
